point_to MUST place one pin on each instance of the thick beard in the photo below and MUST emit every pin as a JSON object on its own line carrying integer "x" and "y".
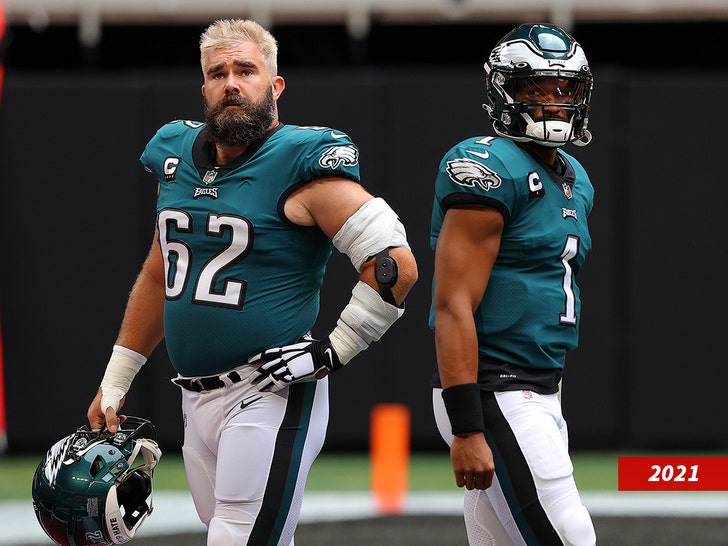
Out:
{"x": 242, "y": 125}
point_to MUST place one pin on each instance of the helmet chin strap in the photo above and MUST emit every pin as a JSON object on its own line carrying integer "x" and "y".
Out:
{"x": 538, "y": 133}
{"x": 584, "y": 139}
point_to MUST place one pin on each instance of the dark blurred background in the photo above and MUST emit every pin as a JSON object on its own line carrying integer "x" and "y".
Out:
{"x": 83, "y": 93}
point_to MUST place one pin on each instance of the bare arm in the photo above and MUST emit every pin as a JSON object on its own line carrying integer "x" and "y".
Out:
{"x": 328, "y": 203}
{"x": 361, "y": 226}
{"x": 142, "y": 327}
{"x": 466, "y": 251}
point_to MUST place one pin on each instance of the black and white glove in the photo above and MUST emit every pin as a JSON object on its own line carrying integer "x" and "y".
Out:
{"x": 279, "y": 367}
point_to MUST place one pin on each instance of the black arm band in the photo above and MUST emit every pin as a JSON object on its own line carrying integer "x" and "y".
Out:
{"x": 464, "y": 408}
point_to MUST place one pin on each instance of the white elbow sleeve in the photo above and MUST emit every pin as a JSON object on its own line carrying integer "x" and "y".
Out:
{"x": 363, "y": 321}
{"x": 371, "y": 229}
{"x": 123, "y": 366}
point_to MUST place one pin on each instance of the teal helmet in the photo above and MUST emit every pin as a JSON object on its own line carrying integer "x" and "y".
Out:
{"x": 90, "y": 490}
{"x": 536, "y": 66}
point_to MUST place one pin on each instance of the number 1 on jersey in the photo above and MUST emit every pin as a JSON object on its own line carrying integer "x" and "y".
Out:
{"x": 571, "y": 250}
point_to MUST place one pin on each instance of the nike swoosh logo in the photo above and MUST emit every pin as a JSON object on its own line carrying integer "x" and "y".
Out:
{"x": 245, "y": 403}
{"x": 334, "y": 135}
{"x": 484, "y": 155}
{"x": 328, "y": 352}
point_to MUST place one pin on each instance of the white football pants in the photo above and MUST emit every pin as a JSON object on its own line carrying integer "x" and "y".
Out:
{"x": 247, "y": 455}
{"x": 533, "y": 499}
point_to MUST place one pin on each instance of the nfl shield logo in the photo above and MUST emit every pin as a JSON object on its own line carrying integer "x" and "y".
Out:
{"x": 567, "y": 190}
{"x": 209, "y": 177}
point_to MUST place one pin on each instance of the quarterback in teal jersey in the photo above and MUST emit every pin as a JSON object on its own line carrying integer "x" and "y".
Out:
{"x": 248, "y": 212}
{"x": 510, "y": 233}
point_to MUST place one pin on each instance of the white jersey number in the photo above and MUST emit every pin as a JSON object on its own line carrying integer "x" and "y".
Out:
{"x": 571, "y": 250}
{"x": 178, "y": 256}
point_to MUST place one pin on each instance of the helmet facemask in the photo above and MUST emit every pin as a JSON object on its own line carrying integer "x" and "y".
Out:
{"x": 129, "y": 500}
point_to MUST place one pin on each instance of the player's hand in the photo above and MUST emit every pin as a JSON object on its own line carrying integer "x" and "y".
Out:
{"x": 472, "y": 461}
{"x": 307, "y": 360}
{"x": 97, "y": 419}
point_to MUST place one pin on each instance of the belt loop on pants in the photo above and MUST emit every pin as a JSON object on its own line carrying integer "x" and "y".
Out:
{"x": 209, "y": 383}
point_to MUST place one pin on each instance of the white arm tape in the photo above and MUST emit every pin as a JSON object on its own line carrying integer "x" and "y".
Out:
{"x": 371, "y": 229}
{"x": 363, "y": 321}
{"x": 123, "y": 366}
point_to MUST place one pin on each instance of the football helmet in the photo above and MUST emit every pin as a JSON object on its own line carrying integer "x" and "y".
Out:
{"x": 89, "y": 491}
{"x": 539, "y": 86}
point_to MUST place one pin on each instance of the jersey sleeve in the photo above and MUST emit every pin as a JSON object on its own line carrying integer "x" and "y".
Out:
{"x": 329, "y": 153}
{"x": 158, "y": 156}
{"x": 147, "y": 157}
{"x": 474, "y": 173}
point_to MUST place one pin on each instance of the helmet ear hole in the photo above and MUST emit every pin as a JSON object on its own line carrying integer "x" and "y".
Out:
{"x": 132, "y": 495}
{"x": 96, "y": 466}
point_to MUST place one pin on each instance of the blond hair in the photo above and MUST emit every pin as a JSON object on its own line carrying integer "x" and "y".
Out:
{"x": 229, "y": 33}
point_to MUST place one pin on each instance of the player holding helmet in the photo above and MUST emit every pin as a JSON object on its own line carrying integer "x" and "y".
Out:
{"x": 510, "y": 233}
{"x": 248, "y": 212}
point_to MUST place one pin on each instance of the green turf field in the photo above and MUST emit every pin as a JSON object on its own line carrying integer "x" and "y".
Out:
{"x": 429, "y": 471}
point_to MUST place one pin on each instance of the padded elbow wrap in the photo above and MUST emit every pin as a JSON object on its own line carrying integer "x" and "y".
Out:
{"x": 363, "y": 321}
{"x": 371, "y": 229}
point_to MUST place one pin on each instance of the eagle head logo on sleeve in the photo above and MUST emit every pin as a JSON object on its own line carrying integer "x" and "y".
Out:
{"x": 468, "y": 173}
{"x": 335, "y": 156}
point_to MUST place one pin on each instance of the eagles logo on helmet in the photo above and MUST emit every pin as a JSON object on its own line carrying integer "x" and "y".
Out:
{"x": 88, "y": 491}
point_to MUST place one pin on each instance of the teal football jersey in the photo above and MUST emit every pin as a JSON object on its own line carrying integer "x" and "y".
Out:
{"x": 530, "y": 312}
{"x": 240, "y": 278}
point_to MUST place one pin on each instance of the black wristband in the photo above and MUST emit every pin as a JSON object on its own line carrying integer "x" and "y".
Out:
{"x": 464, "y": 408}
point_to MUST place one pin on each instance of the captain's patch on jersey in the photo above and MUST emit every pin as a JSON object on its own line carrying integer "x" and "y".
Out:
{"x": 170, "y": 168}
{"x": 468, "y": 173}
{"x": 335, "y": 156}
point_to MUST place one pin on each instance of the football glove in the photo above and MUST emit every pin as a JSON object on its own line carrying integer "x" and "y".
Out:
{"x": 280, "y": 367}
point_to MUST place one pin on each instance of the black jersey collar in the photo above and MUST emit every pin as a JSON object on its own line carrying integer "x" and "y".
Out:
{"x": 562, "y": 172}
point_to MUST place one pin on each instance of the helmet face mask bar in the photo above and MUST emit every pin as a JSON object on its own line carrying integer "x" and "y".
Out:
{"x": 539, "y": 85}
{"x": 93, "y": 488}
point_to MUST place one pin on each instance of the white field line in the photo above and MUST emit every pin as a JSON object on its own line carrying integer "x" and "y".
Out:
{"x": 174, "y": 512}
